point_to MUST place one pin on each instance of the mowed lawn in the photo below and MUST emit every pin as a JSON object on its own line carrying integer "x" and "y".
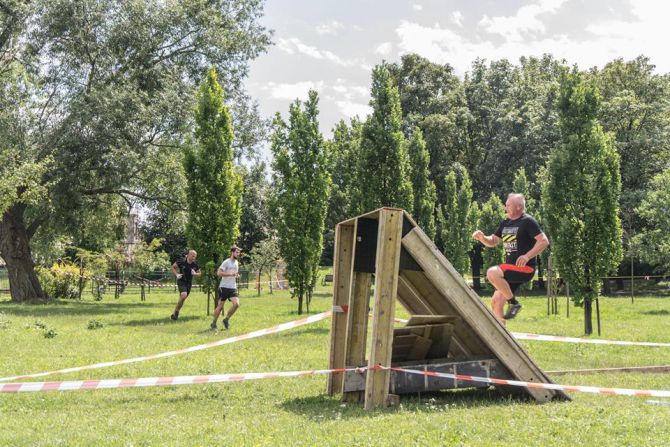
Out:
{"x": 296, "y": 411}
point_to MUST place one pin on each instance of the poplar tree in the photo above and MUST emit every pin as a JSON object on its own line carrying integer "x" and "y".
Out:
{"x": 581, "y": 195}
{"x": 384, "y": 161}
{"x": 423, "y": 188}
{"x": 214, "y": 187}
{"x": 492, "y": 213}
{"x": 301, "y": 185}
{"x": 458, "y": 225}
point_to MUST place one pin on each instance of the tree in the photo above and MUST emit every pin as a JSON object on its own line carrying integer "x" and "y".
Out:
{"x": 344, "y": 201}
{"x": 110, "y": 89}
{"x": 653, "y": 242}
{"x": 255, "y": 219}
{"x": 301, "y": 189}
{"x": 581, "y": 196}
{"x": 458, "y": 223}
{"x": 383, "y": 149}
{"x": 214, "y": 188}
{"x": 263, "y": 258}
{"x": 423, "y": 188}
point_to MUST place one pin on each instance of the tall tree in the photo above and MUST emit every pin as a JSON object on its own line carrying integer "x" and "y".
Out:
{"x": 581, "y": 196}
{"x": 112, "y": 87}
{"x": 492, "y": 213}
{"x": 214, "y": 188}
{"x": 255, "y": 220}
{"x": 383, "y": 149}
{"x": 423, "y": 188}
{"x": 301, "y": 187}
{"x": 653, "y": 242}
{"x": 458, "y": 224}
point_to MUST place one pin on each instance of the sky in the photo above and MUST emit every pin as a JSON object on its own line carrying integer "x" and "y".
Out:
{"x": 332, "y": 46}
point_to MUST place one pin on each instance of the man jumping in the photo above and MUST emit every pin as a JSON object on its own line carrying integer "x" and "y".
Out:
{"x": 523, "y": 240}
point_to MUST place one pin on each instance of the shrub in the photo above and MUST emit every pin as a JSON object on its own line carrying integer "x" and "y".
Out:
{"x": 61, "y": 280}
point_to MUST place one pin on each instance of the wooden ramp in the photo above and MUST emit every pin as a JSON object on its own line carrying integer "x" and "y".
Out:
{"x": 451, "y": 330}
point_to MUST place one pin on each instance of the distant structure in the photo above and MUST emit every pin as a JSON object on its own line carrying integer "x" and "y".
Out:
{"x": 132, "y": 235}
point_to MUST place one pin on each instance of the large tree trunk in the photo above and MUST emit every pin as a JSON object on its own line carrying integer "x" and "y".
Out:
{"x": 15, "y": 250}
{"x": 588, "y": 324}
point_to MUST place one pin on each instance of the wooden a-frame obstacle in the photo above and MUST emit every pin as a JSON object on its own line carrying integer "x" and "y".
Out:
{"x": 451, "y": 330}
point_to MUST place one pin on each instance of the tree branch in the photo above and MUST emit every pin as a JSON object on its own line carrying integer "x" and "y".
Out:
{"x": 139, "y": 195}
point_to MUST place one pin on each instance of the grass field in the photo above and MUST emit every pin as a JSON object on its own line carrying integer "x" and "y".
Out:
{"x": 296, "y": 411}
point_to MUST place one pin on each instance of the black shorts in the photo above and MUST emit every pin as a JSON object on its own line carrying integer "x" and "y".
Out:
{"x": 227, "y": 294}
{"x": 184, "y": 286}
{"x": 517, "y": 276}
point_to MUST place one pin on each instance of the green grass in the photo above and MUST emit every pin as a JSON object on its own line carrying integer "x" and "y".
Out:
{"x": 296, "y": 411}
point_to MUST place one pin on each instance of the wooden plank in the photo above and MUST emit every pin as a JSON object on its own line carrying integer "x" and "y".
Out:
{"x": 441, "y": 273}
{"x": 464, "y": 344}
{"x": 420, "y": 348}
{"x": 343, "y": 265}
{"x": 386, "y": 290}
{"x": 419, "y": 320}
{"x": 357, "y": 328}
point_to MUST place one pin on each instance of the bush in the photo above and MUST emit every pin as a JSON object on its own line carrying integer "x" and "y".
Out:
{"x": 61, "y": 280}
{"x": 95, "y": 324}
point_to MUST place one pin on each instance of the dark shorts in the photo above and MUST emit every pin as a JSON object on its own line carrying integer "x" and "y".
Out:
{"x": 227, "y": 294}
{"x": 184, "y": 286}
{"x": 517, "y": 276}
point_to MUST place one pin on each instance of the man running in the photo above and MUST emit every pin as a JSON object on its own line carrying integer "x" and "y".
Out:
{"x": 228, "y": 272}
{"x": 523, "y": 240}
{"x": 184, "y": 269}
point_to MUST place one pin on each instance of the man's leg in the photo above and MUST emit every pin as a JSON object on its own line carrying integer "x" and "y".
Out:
{"x": 219, "y": 308}
{"x": 503, "y": 291}
{"x": 235, "y": 304}
{"x": 180, "y": 303}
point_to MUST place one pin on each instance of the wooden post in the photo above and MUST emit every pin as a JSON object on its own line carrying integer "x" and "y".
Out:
{"x": 386, "y": 290}
{"x": 357, "y": 328}
{"x": 343, "y": 266}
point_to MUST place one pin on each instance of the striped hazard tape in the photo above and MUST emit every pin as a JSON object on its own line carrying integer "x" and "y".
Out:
{"x": 156, "y": 381}
{"x": 525, "y": 336}
{"x": 547, "y": 386}
{"x": 225, "y": 341}
{"x": 217, "y": 378}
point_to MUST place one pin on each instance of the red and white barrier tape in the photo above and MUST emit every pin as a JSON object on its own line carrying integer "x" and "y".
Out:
{"x": 156, "y": 381}
{"x": 524, "y": 336}
{"x": 547, "y": 386}
{"x": 225, "y": 341}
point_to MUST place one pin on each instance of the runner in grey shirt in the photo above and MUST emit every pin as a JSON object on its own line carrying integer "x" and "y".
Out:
{"x": 228, "y": 272}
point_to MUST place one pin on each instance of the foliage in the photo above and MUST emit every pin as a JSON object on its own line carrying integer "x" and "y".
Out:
{"x": 458, "y": 222}
{"x": 301, "y": 187}
{"x": 149, "y": 257}
{"x": 423, "y": 187}
{"x": 255, "y": 219}
{"x": 61, "y": 280}
{"x": 653, "y": 243}
{"x": 581, "y": 196}
{"x": 383, "y": 149}
{"x": 215, "y": 189}
{"x": 492, "y": 213}
{"x": 263, "y": 258}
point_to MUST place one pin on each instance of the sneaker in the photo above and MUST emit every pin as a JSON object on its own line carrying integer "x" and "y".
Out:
{"x": 213, "y": 326}
{"x": 512, "y": 311}
{"x": 174, "y": 316}
{"x": 225, "y": 323}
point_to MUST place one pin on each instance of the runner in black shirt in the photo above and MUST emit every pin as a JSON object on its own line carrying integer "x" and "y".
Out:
{"x": 184, "y": 269}
{"x": 523, "y": 241}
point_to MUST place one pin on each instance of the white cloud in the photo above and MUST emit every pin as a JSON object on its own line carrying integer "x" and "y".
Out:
{"x": 417, "y": 7}
{"x": 352, "y": 109}
{"x": 384, "y": 49}
{"x": 457, "y": 18}
{"x": 526, "y": 20}
{"x": 292, "y": 91}
{"x": 331, "y": 27}
{"x": 293, "y": 45}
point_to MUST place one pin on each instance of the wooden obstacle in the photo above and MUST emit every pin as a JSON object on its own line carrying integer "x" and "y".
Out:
{"x": 451, "y": 330}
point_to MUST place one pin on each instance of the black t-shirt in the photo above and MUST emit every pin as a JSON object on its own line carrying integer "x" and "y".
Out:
{"x": 185, "y": 268}
{"x": 518, "y": 237}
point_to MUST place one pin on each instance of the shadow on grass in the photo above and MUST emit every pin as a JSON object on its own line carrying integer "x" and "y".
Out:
{"x": 154, "y": 321}
{"x": 62, "y": 307}
{"x": 323, "y": 407}
{"x": 308, "y": 331}
{"x": 657, "y": 312}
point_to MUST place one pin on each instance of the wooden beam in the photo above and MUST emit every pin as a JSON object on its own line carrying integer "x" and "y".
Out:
{"x": 343, "y": 265}
{"x": 469, "y": 306}
{"x": 357, "y": 328}
{"x": 386, "y": 290}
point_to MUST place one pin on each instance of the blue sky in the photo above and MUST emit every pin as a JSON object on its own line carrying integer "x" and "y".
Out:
{"x": 331, "y": 46}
